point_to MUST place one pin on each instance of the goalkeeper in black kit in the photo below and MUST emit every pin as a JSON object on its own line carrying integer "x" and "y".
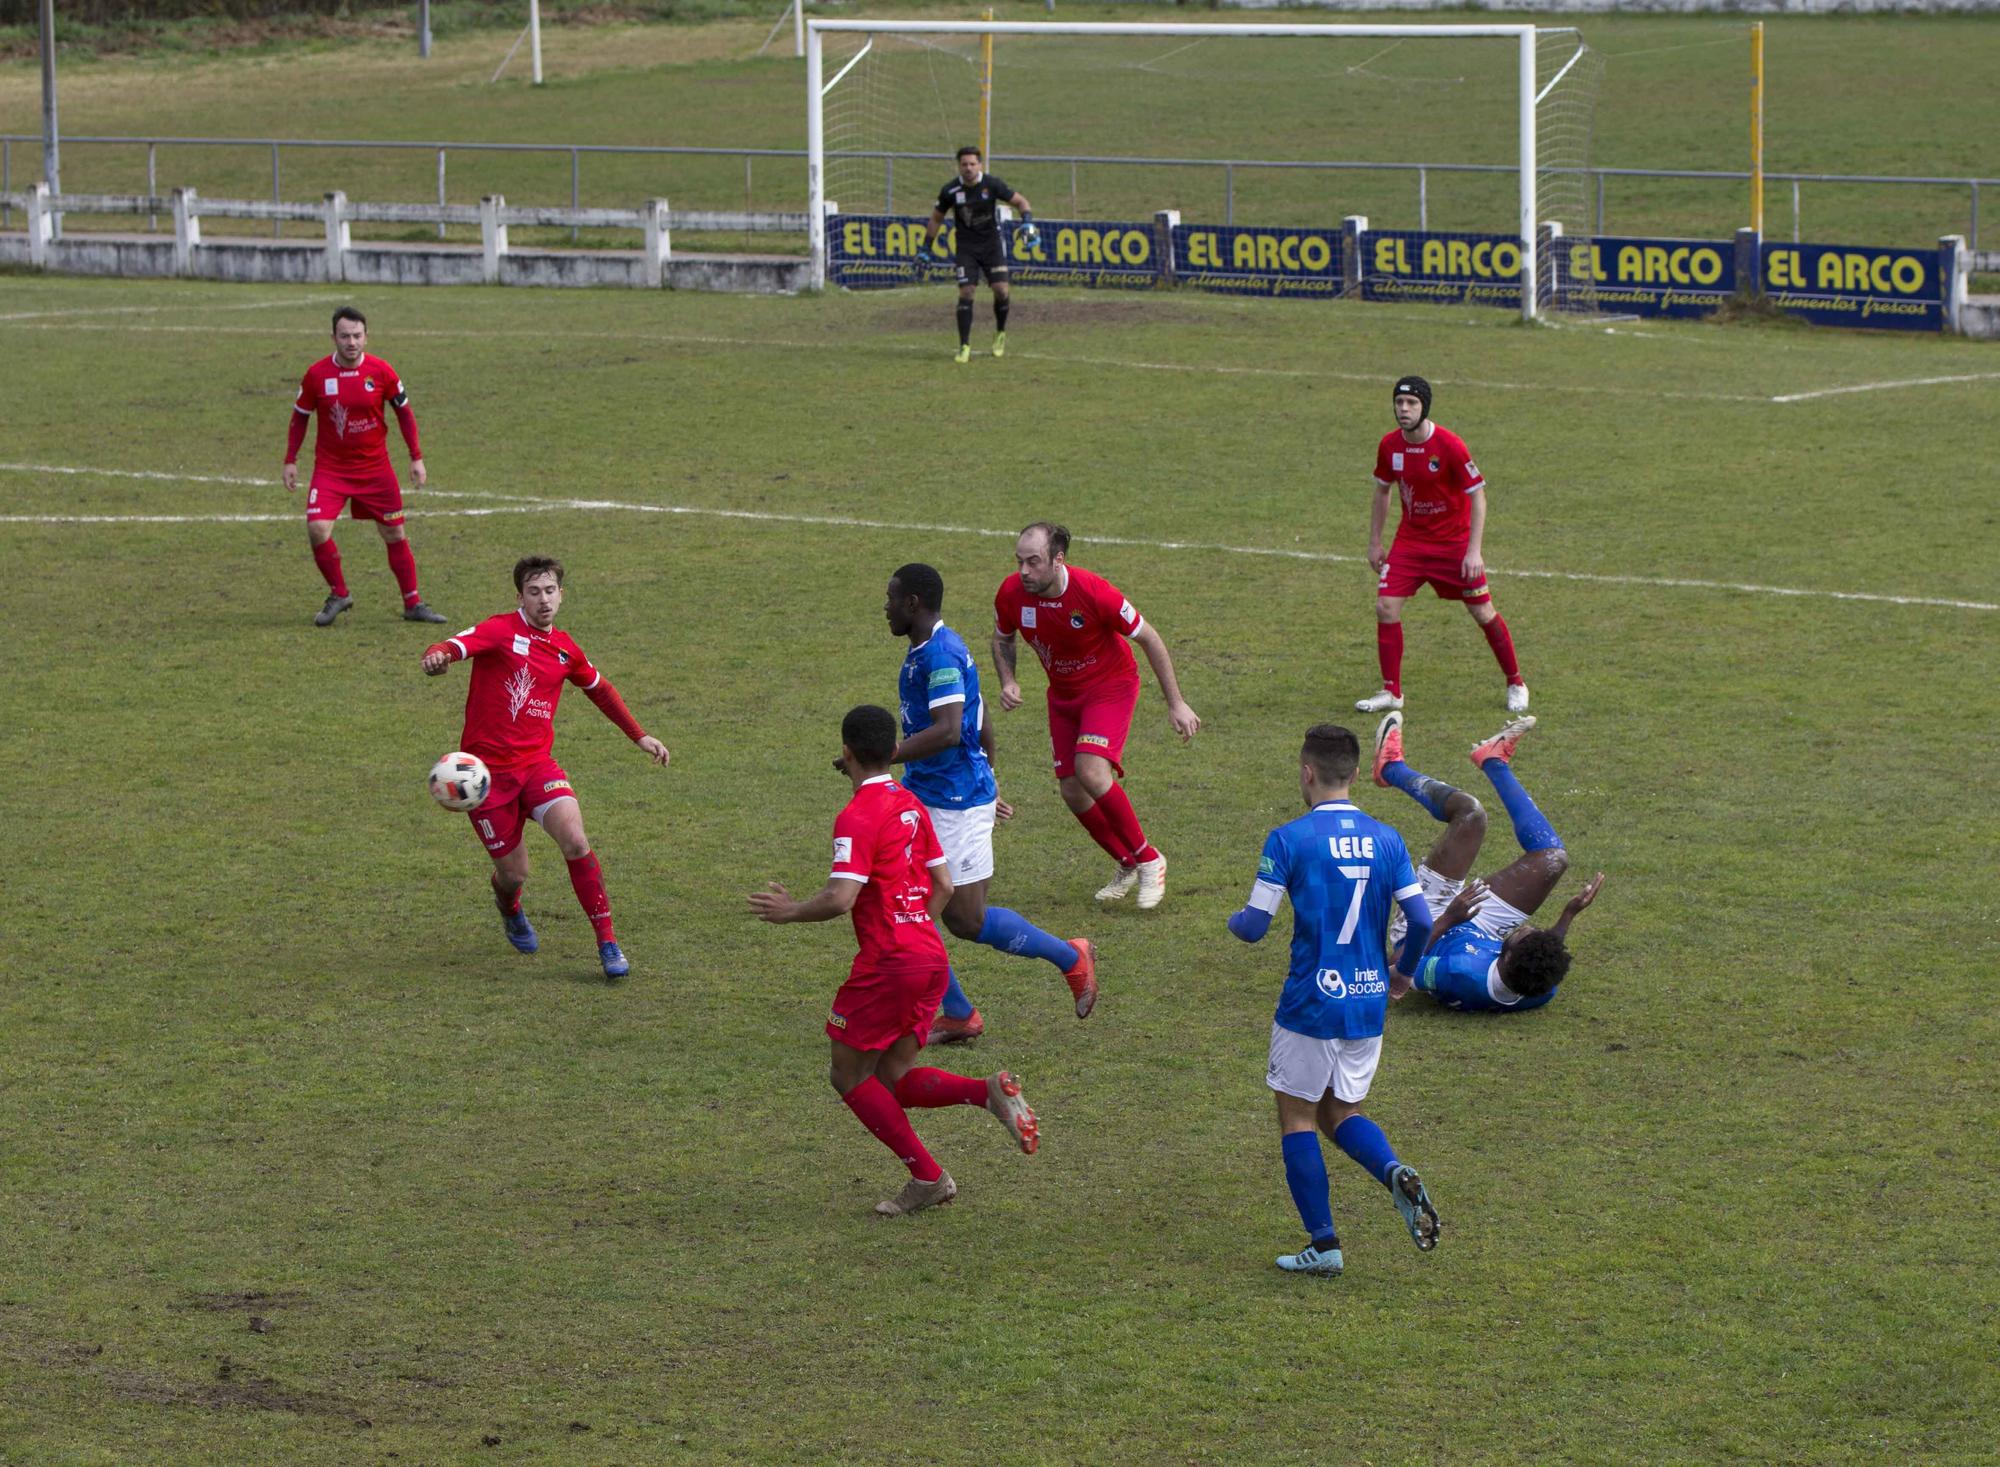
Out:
{"x": 973, "y": 201}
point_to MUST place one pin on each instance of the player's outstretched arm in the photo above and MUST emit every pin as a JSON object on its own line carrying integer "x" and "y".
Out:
{"x": 438, "y": 656}
{"x": 1003, "y": 664}
{"x": 1577, "y": 903}
{"x": 1462, "y": 908}
{"x": 613, "y": 707}
{"x": 1184, "y": 719}
{"x": 835, "y": 899}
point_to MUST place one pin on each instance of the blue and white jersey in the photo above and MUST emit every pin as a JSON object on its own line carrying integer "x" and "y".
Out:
{"x": 1344, "y": 872}
{"x": 1462, "y": 971}
{"x": 938, "y": 673}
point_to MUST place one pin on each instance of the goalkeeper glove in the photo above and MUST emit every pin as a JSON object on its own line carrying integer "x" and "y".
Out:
{"x": 1027, "y": 235}
{"x": 939, "y": 254}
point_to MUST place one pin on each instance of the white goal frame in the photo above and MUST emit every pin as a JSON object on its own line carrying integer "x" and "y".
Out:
{"x": 1522, "y": 35}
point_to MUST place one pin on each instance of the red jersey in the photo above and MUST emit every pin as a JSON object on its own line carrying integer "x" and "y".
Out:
{"x": 884, "y": 840}
{"x": 1437, "y": 478}
{"x": 1079, "y": 635}
{"x": 352, "y": 402}
{"x": 517, "y": 679}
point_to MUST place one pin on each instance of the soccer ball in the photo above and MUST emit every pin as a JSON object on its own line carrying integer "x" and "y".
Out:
{"x": 460, "y": 781}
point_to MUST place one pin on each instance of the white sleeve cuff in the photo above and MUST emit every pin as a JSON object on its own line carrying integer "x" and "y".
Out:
{"x": 949, "y": 698}
{"x": 940, "y": 861}
{"x": 1266, "y": 896}
{"x": 595, "y": 681}
{"x": 462, "y": 652}
{"x": 847, "y": 876}
{"x": 1407, "y": 891}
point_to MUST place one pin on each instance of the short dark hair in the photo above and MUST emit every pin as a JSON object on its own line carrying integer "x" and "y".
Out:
{"x": 871, "y": 733}
{"x": 535, "y": 565}
{"x": 1333, "y": 752}
{"x": 923, "y": 582}
{"x": 1536, "y": 962}
{"x": 969, "y": 151}
{"x": 349, "y": 313}
{"x": 1058, "y": 536}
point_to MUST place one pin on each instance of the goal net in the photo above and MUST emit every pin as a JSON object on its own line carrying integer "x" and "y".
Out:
{"x": 1416, "y": 127}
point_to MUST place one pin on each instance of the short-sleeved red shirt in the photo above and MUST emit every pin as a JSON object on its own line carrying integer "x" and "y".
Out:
{"x": 1436, "y": 478}
{"x": 352, "y": 404}
{"x": 1079, "y": 635}
{"x": 884, "y": 840}
{"x": 517, "y": 679}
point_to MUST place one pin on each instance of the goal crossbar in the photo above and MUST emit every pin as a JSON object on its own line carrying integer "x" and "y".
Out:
{"x": 1522, "y": 35}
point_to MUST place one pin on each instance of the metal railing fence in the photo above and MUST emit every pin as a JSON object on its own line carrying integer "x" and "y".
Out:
{"x": 577, "y": 152}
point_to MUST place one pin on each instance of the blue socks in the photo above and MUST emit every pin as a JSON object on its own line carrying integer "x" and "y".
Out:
{"x": 956, "y": 1005}
{"x": 1428, "y": 792}
{"x": 1305, "y": 1174}
{"x": 1363, "y": 1140}
{"x": 1531, "y": 826}
{"x": 1010, "y": 932}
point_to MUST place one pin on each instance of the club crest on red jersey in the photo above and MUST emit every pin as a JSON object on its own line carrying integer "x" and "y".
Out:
{"x": 1435, "y": 465}
{"x": 1076, "y": 620}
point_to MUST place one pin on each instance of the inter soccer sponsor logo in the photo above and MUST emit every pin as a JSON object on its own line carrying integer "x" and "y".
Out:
{"x": 1366, "y": 983}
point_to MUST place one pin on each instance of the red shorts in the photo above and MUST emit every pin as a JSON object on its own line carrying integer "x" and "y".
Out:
{"x": 1093, "y": 721}
{"x": 1443, "y": 569}
{"x": 874, "y": 1009}
{"x": 518, "y": 796}
{"x": 381, "y": 500}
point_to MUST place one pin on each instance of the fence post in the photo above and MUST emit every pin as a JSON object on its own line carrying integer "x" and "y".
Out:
{"x": 1600, "y": 206}
{"x": 1165, "y": 222}
{"x": 440, "y": 190}
{"x": 1749, "y": 263}
{"x": 1229, "y": 193}
{"x": 748, "y": 159}
{"x": 575, "y": 190}
{"x": 337, "y": 236}
{"x": 7, "y": 184}
{"x": 152, "y": 182}
{"x": 1972, "y": 241}
{"x": 1795, "y": 211}
{"x": 659, "y": 243}
{"x": 1072, "y": 188}
{"x": 1954, "y": 270}
{"x": 41, "y": 225}
{"x": 1351, "y": 230}
{"x": 187, "y": 229}
{"x": 492, "y": 237}
{"x": 1423, "y": 202}
{"x": 277, "y": 194}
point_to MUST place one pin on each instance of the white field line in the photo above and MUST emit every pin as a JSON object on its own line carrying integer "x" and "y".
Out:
{"x": 1125, "y": 364}
{"x": 527, "y": 503}
{"x": 302, "y": 300}
{"x": 1888, "y": 386}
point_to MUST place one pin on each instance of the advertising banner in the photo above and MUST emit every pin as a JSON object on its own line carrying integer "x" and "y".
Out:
{"x": 1445, "y": 269}
{"x": 1250, "y": 261}
{"x": 1646, "y": 277}
{"x": 871, "y": 251}
{"x": 1852, "y": 285}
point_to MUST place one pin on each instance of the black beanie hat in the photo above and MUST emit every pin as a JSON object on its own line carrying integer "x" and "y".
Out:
{"x": 1414, "y": 387}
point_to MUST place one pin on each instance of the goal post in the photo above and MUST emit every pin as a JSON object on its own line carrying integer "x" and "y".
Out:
{"x": 819, "y": 85}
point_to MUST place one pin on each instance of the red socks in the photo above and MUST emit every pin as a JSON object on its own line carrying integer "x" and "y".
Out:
{"x": 1502, "y": 642}
{"x": 1097, "y": 820}
{"x": 403, "y": 563}
{"x": 509, "y": 902}
{"x": 326, "y": 556}
{"x": 588, "y": 879}
{"x": 1389, "y": 652}
{"x": 927, "y": 1089}
{"x": 876, "y": 1109}
{"x": 1124, "y": 822}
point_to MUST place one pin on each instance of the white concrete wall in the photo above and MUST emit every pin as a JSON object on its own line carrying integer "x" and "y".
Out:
{"x": 1681, "y": 7}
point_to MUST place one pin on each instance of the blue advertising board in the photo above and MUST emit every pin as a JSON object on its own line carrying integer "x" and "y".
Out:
{"x": 1241, "y": 260}
{"x": 1645, "y": 277}
{"x": 872, "y": 251}
{"x": 1852, "y": 285}
{"x": 1447, "y": 269}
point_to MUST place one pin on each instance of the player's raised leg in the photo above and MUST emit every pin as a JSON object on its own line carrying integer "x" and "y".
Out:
{"x": 1464, "y": 818}
{"x": 1526, "y": 883}
{"x": 563, "y": 820}
{"x": 1367, "y": 1146}
{"x": 967, "y": 916}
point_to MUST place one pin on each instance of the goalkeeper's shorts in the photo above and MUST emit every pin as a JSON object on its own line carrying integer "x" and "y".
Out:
{"x": 988, "y": 259}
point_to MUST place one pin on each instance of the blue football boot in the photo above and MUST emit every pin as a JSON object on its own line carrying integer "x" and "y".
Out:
{"x": 616, "y": 965}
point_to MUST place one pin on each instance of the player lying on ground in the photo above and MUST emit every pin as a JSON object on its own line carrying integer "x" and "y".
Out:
{"x": 1077, "y": 623}
{"x": 1438, "y": 541}
{"x": 1342, "y": 871}
{"x": 973, "y": 200}
{"x": 1482, "y": 954}
{"x": 947, "y": 758}
{"x": 890, "y": 875}
{"x": 520, "y": 663}
{"x": 347, "y": 392}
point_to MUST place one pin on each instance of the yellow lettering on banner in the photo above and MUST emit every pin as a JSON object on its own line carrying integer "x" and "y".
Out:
{"x": 1315, "y": 253}
{"x": 1631, "y": 264}
{"x": 1066, "y": 246}
{"x": 1267, "y": 254}
{"x": 1386, "y": 261}
{"x": 1705, "y": 266}
{"x": 1781, "y": 268}
{"x": 1654, "y": 272}
{"x": 1458, "y": 258}
{"x": 1201, "y": 251}
{"x": 1243, "y": 252}
{"x": 1583, "y": 263}
{"x": 1138, "y": 247}
{"x": 1906, "y": 275}
{"x": 1506, "y": 259}
{"x": 854, "y": 238}
{"x": 1433, "y": 256}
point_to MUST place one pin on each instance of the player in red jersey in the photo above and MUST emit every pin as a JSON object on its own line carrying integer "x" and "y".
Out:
{"x": 1437, "y": 542}
{"x": 348, "y": 391}
{"x": 891, "y": 876}
{"x": 519, "y": 665}
{"x": 1077, "y": 623}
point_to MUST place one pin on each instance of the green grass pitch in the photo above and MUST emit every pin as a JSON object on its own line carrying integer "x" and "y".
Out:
{"x": 302, "y": 1163}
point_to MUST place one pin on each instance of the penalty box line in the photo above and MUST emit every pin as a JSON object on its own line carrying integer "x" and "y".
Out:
{"x": 532, "y": 504}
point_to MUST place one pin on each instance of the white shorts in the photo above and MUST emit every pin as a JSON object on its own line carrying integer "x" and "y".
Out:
{"x": 1307, "y": 1068}
{"x": 1495, "y": 918}
{"x": 966, "y": 837}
